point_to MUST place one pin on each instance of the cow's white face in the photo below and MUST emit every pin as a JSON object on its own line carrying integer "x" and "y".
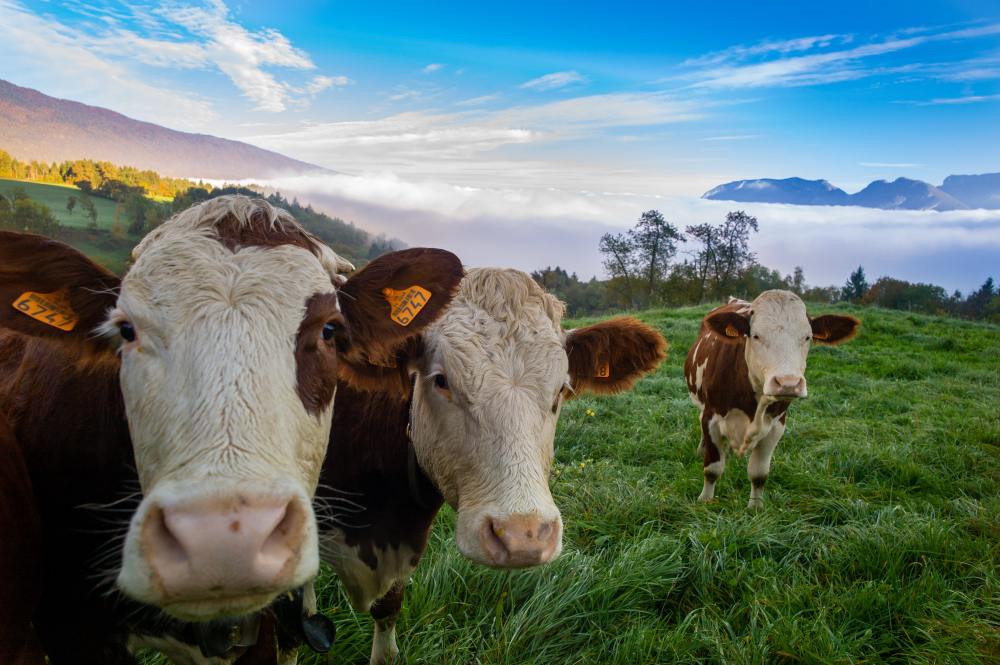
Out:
{"x": 780, "y": 338}
{"x": 487, "y": 398}
{"x": 227, "y": 447}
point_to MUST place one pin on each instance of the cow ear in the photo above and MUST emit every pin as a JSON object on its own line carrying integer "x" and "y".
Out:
{"x": 834, "y": 328}
{"x": 49, "y": 289}
{"x": 387, "y": 374}
{"x": 730, "y": 326}
{"x": 394, "y": 298}
{"x": 608, "y": 357}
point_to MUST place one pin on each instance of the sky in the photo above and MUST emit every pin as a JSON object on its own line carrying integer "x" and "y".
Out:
{"x": 516, "y": 134}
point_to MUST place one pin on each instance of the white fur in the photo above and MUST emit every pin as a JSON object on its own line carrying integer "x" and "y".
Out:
{"x": 210, "y": 382}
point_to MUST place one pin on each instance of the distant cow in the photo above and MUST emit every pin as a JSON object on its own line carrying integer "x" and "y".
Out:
{"x": 221, "y": 345}
{"x": 472, "y": 422}
{"x": 743, "y": 371}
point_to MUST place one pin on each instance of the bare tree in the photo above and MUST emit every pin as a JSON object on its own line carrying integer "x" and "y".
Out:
{"x": 637, "y": 262}
{"x": 725, "y": 252}
{"x": 620, "y": 264}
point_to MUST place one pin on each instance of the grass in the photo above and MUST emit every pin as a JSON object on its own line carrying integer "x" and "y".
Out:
{"x": 104, "y": 248}
{"x": 878, "y": 542}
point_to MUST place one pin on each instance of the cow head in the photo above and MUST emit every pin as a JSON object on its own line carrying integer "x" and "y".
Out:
{"x": 778, "y": 334}
{"x": 229, "y": 325}
{"x": 490, "y": 378}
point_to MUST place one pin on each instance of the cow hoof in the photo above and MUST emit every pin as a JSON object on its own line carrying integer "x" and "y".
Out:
{"x": 755, "y": 504}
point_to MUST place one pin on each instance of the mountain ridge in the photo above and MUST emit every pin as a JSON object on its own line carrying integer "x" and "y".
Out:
{"x": 35, "y": 126}
{"x": 957, "y": 193}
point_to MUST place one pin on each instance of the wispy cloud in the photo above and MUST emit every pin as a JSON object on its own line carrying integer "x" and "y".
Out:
{"x": 432, "y": 68}
{"x": 475, "y": 101}
{"x": 555, "y": 80}
{"x": 116, "y": 42}
{"x": 970, "y": 99}
{"x": 730, "y": 69}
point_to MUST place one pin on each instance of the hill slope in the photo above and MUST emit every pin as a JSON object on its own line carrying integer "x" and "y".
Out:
{"x": 36, "y": 126}
{"x": 978, "y": 191}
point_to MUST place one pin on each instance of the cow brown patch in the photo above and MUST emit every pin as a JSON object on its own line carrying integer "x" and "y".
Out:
{"x": 759, "y": 482}
{"x": 315, "y": 357}
{"x": 260, "y": 230}
{"x": 834, "y": 328}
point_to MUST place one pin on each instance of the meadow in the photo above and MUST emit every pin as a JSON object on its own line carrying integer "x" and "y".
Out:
{"x": 878, "y": 542}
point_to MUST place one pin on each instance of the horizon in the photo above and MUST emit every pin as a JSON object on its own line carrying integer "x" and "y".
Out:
{"x": 524, "y": 134}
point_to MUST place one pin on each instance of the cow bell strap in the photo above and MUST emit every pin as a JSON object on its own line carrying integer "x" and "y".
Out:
{"x": 421, "y": 488}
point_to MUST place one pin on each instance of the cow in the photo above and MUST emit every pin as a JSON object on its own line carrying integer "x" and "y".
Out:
{"x": 464, "y": 414}
{"x": 744, "y": 370}
{"x": 205, "y": 378}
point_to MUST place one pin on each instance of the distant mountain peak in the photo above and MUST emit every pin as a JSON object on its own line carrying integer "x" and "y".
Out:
{"x": 36, "y": 126}
{"x": 900, "y": 194}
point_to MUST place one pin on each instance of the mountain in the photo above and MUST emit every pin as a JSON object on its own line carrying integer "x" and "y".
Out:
{"x": 978, "y": 191}
{"x": 905, "y": 194}
{"x": 36, "y": 126}
{"x": 901, "y": 194}
{"x": 790, "y": 190}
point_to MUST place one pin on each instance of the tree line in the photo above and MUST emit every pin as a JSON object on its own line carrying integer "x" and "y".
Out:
{"x": 643, "y": 271}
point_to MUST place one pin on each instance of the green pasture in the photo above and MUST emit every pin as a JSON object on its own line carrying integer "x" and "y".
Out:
{"x": 56, "y": 197}
{"x": 878, "y": 542}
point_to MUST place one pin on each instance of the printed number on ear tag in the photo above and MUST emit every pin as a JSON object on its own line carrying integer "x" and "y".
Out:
{"x": 604, "y": 372}
{"x": 406, "y": 304}
{"x": 380, "y": 363}
{"x": 50, "y": 308}
{"x": 731, "y": 331}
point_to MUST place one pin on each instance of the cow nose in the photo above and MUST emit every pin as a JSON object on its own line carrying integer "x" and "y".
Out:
{"x": 789, "y": 385}
{"x": 521, "y": 541}
{"x": 215, "y": 550}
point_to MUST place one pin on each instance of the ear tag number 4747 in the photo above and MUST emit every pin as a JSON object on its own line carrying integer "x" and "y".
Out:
{"x": 50, "y": 308}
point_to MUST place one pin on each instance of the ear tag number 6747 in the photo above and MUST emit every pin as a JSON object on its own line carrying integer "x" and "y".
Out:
{"x": 50, "y": 308}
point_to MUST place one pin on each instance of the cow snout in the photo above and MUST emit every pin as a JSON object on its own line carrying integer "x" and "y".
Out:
{"x": 789, "y": 386}
{"x": 521, "y": 541}
{"x": 213, "y": 550}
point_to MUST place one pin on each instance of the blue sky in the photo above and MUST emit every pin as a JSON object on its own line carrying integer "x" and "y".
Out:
{"x": 517, "y": 133}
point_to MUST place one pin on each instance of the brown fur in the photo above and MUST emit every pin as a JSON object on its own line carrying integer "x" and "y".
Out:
{"x": 365, "y": 307}
{"x": 35, "y": 263}
{"x": 316, "y": 358}
{"x": 20, "y": 533}
{"x": 234, "y": 234}
{"x": 629, "y": 347}
{"x": 834, "y": 328}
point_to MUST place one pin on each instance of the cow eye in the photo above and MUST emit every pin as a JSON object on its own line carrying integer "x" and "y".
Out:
{"x": 328, "y": 331}
{"x": 756, "y": 337}
{"x": 127, "y": 331}
{"x": 441, "y": 381}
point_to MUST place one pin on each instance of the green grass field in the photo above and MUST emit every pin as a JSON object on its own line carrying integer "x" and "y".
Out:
{"x": 102, "y": 247}
{"x": 878, "y": 542}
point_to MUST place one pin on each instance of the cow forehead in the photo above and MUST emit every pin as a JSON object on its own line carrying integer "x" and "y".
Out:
{"x": 195, "y": 277}
{"x": 779, "y": 311}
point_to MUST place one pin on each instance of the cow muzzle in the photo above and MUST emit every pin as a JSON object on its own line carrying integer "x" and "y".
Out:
{"x": 786, "y": 387}
{"x": 221, "y": 557}
{"x": 520, "y": 541}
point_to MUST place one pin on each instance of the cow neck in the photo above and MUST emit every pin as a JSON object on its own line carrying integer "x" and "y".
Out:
{"x": 422, "y": 489}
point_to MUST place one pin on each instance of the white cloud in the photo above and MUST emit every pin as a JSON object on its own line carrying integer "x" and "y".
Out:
{"x": 970, "y": 99}
{"x": 432, "y": 68}
{"x": 742, "y": 52}
{"x": 111, "y": 46}
{"x": 555, "y": 80}
{"x": 475, "y": 101}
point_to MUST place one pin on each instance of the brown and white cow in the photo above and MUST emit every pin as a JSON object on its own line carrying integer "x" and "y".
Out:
{"x": 224, "y": 336}
{"x": 480, "y": 392}
{"x": 746, "y": 367}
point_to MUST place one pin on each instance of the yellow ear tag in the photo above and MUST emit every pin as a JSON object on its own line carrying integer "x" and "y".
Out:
{"x": 51, "y": 308}
{"x": 821, "y": 335}
{"x": 604, "y": 371}
{"x": 731, "y": 331}
{"x": 390, "y": 363}
{"x": 406, "y": 304}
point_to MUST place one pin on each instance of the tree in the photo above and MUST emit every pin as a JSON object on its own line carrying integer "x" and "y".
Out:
{"x": 620, "y": 264}
{"x": 30, "y": 217}
{"x": 725, "y": 253}
{"x": 71, "y": 204}
{"x": 856, "y": 286}
{"x": 655, "y": 242}
{"x": 798, "y": 281}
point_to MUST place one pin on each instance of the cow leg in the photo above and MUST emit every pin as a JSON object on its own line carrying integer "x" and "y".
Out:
{"x": 715, "y": 456}
{"x": 760, "y": 464}
{"x": 385, "y": 611}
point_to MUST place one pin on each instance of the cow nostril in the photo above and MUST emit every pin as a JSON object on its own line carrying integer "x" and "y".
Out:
{"x": 159, "y": 534}
{"x": 490, "y": 536}
{"x": 288, "y": 526}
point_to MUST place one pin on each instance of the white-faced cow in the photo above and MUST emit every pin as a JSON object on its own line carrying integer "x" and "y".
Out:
{"x": 747, "y": 365}
{"x": 466, "y": 414}
{"x": 221, "y": 346}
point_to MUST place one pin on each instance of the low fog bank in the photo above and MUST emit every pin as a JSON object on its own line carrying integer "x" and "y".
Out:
{"x": 538, "y": 227}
